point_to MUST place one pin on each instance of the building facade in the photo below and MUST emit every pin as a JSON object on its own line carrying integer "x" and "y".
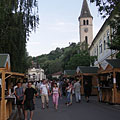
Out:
{"x": 99, "y": 46}
{"x": 36, "y": 74}
{"x": 85, "y": 24}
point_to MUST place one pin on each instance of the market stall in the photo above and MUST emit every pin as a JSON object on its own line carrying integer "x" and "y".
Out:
{"x": 6, "y": 81}
{"x": 89, "y": 74}
{"x": 109, "y": 81}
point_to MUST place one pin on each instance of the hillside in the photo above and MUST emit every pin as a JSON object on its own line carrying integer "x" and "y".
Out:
{"x": 64, "y": 58}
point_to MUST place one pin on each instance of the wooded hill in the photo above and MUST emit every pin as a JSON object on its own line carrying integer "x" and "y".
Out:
{"x": 64, "y": 58}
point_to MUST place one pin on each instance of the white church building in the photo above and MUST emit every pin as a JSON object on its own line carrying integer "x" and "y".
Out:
{"x": 36, "y": 74}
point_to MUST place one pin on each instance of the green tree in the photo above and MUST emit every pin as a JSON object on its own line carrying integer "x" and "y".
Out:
{"x": 17, "y": 20}
{"x": 55, "y": 66}
{"x": 81, "y": 59}
{"x": 111, "y": 7}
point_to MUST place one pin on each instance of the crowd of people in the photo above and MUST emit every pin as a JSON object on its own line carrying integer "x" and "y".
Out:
{"x": 27, "y": 92}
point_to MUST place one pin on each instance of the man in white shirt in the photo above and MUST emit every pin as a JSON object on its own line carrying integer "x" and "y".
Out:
{"x": 44, "y": 90}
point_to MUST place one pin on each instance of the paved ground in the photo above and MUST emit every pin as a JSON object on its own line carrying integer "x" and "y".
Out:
{"x": 78, "y": 111}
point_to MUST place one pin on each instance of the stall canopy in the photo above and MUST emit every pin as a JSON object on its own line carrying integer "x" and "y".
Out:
{"x": 109, "y": 64}
{"x": 115, "y": 63}
{"x": 87, "y": 70}
{"x": 69, "y": 73}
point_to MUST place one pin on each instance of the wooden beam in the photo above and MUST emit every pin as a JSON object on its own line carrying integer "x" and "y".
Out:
{"x": 104, "y": 72}
{"x": 88, "y": 74}
{"x": 15, "y": 74}
{"x": 117, "y": 69}
{"x": 8, "y": 76}
{"x": 3, "y": 104}
{"x": 108, "y": 71}
{"x": 2, "y": 69}
{"x": 82, "y": 85}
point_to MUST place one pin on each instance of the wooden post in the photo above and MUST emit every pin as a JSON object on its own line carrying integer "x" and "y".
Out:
{"x": 98, "y": 85}
{"x": 114, "y": 87}
{"x": 3, "y": 104}
{"x": 82, "y": 85}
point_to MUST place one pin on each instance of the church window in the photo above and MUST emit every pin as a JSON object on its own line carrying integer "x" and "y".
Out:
{"x": 87, "y": 22}
{"x": 83, "y": 22}
{"x": 86, "y": 39}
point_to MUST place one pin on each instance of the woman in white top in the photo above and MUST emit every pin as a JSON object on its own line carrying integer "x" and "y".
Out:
{"x": 55, "y": 92}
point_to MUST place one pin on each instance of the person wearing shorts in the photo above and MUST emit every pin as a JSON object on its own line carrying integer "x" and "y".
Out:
{"x": 19, "y": 99}
{"x": 29, "y": 100}
{"x": 44, "y": 90}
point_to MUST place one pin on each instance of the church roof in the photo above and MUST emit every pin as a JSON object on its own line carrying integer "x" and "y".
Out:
{"x": 85, "y": 12}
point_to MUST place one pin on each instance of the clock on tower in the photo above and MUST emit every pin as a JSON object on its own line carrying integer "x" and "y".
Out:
{"x": 86, "y": 30}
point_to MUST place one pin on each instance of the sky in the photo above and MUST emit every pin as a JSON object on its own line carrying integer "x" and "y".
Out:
{"x": 59, "y": 26}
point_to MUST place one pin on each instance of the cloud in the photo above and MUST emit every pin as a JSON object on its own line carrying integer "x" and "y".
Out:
{"x": 63, "y": 27}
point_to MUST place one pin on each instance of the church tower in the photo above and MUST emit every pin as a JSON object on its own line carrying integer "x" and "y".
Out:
{"x": 85, "y": 24}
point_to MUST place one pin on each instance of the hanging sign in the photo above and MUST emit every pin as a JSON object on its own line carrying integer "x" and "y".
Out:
{"x": 114, "y": 80}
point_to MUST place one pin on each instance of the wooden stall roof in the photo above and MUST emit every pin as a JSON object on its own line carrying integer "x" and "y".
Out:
{"x": 87, "y": 70}
{"x": 109, "y": 65}
{"x": 5, "y": 62}
{"x": 69, "y": 72}
{"x": 115, "y": 63}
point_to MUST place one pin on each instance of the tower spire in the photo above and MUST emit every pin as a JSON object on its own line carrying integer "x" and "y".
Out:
{"x": 85, "y": 12}
{"x": 85, "y": 25}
